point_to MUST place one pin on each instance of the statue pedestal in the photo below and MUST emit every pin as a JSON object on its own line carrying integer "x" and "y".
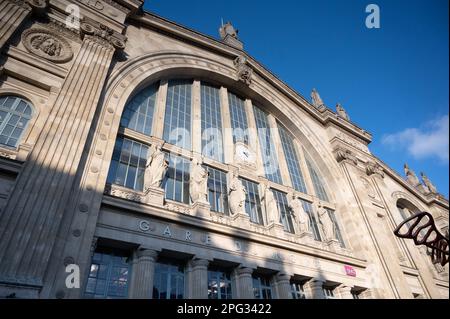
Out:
{"x": 241, "y": 220}
{"x": 332, "y": 245}
{"x": 201, "y": 209}
{"x": 306, "y": 236}
{"x": 276, "y": 230}
{"x": 154, "y": 196}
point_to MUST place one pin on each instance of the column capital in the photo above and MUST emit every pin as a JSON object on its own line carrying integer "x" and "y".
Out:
{"x": 240, "y": 271}
{"x": 281, "y": 277}
{"x": 102, "y": 34}
{"x": 144, "y": 253}
{"x": 199, "y": 263}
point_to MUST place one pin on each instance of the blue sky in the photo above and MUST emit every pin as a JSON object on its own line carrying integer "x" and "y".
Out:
{"x": 393, "y": 81}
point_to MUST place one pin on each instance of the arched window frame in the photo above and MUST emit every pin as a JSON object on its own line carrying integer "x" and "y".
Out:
{"x": 7, "y": 113}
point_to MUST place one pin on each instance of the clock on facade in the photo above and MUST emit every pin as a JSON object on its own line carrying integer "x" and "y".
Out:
{"x": 244, "y": 154}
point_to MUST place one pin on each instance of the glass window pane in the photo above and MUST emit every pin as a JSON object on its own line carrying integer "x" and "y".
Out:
{"x": 212, "y": 143}
{"x": 238, "y": 119}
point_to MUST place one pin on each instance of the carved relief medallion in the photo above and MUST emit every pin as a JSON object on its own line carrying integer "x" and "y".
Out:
{"x": 47, "y": 45}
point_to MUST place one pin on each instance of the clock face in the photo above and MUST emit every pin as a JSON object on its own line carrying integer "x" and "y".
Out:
{"x": 244, "y": 153}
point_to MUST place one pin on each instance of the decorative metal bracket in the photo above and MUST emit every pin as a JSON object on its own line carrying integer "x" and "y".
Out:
{"x": 425, "y": 233}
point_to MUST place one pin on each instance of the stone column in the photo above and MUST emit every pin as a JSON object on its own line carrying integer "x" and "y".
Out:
{"x": 345, "y": 292}
{"x": 160, "y": 110}
{"x": 227, "y": 130}
{"x": 242, "y": 283}
{"x": 314, "y": 289}
{"x": 142, "y": 274}
{"x": 198, "y": 279}
{"x": 31, "y": 219}
{"x": 12, "y": 14}
{"x": 282, "y": 286}
{"x": 279, "y": 150}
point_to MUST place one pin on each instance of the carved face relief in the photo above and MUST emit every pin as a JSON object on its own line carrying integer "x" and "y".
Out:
{"x": 47, "y": 45}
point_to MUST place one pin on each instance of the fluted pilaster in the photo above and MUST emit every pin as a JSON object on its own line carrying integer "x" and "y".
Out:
{"x": 143, "y": 274}
{"x": 198, "y": 279}
{"x": 281, "y": 283}
{"x": 314, "y": 289}
{"x": 12, "y": 14}
{"x": 243, "y": 283}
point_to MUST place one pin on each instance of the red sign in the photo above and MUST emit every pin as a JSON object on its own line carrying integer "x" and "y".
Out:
{"x": 350, "y": 271}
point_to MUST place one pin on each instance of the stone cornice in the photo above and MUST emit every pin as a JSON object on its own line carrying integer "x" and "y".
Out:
{"x": 170, "y": 28}
{"x": 192, "y": 221}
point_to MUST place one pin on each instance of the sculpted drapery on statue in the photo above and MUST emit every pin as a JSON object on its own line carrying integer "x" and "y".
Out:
{"x": 341, "y": 112}
{"x": 198, "y": 182}
{"x": 316, "y": 99}
{"x": 428, "y": 184}
{"x": 156, "y": 167}
{"x": 236, "y": 196}
{"x": 411, "y": 177}
{"x": 299, "y": 212}
{"x": 271, "y": 206}
{"x": 326, "y": 223}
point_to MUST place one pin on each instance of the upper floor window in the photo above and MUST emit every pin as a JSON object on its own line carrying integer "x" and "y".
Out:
{"x": 238, "y": 116}
{"x": 253, "y": 202}
{"x": 176, "y": 183}
{"x": 317, "y": 181}
{"x": 329, "y": 293}
{"x": 138, "y": 113}
{"x": 177, "y": 119}
{"x": 268, "y": 151}
{"x": 261, "y": 287}
{"x": 293, "y": 163}
{"x": 15, "y": 114}
{"x": 128, "y": 164}
{"x": 285, "y": 212}
{"x": 212, "y": 143}
{"x": 217, "y": 190}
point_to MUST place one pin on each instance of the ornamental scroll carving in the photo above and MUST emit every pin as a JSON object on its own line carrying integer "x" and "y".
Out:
{"x": 102, "y": 34}
{"x": 48, "y": 45}
{"x": 374, "y": 169}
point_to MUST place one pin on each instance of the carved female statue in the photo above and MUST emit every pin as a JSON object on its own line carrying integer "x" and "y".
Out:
{"x": 236, "y": 196}
{"x": 316, "y": 100}
{"x": 428, "y": 183}
{"x": 299, "y": 212}
{"x": 273, "y": 215}
{"x": 198, "y": 182}
{"x": 341, "y": 112}
{"x": 156, "y": 168}
{"x": 411, "y": 177}
{"x": 326, "y": 223}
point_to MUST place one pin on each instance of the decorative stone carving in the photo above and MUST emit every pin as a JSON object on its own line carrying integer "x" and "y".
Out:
{"x": 271, "y": 205}
{"x": 244, "y": 72}
{"x": 47, "y": 45}
{"x": 228, "y": 30}
{"x": 299, "y": 212}
{"x": 198, "y": 182}
{"x": 428, "y": 184}
{"x": 369, "y": 188}
{"x": 156, "y": 168}
{"x": 316, "y": 100}
{"x": 374, "y": 168}
{"x": 102, "y": 34}
{"x": 120, "y": 192}
{"x": 326, "y": 223}
{"x": 236, "y": 196}
{"x": 342, "y": 154}
{"x": 411, "y": 177}
{"x": 341, "y": 112}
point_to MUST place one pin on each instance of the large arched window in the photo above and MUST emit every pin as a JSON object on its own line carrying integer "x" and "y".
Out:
{"x": 15, "y": 114}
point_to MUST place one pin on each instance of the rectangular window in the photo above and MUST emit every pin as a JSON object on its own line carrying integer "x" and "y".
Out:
{"x": 329, "y": 293}
{"x": 287, "y": 141}
{"x": 297, "y": 290}
{"x": 238, "y": 119}
{"x": 217, "y": 190}
{"x": 177, "y": 119}
{"x": 338, "y": 229}
{"x": 312, "y": 218}
{"x": 285, "y": 212}
{"x": 253, "y": 202}
{"x": 168, "y": 281}
{"x": 128, "y": 164}
{"x": 176, "y": 183}
{"x": 268, "y": 151}
{"x": 212, "y": 143}
{"x": 317, "y": 181}
{"x": 108, "y": 276}
{"x": 219, "y": 284}
{"x": 262, "y": 288}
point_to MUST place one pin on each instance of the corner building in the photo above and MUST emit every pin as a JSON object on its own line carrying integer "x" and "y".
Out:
{"x": 83, "y": 104}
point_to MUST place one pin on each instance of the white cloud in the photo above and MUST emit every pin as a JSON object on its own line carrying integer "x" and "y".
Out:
{"x": 430, "y": 140}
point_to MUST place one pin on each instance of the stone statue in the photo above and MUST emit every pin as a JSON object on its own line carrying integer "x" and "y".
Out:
{"x": 271, "y": 205}
{"x": 411, "y": 177}
{"x": 326, "y": 223}
{"x": 341, "y": 112}
{"x": 198, "y": 182}
{"x": 156, "y": 167}
{"x": 47, "y": 44}
{"x": 236, "y": 196}
{"x": 299, "y": 212}
{"x": 244, "y": 72}
{"x": 316, "y": 100}
{"x": 228, "y": 30}
{"x": 428, "y": 184}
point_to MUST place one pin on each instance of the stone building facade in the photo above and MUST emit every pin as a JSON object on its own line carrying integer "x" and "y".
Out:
{"x": 168, "y": 164}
